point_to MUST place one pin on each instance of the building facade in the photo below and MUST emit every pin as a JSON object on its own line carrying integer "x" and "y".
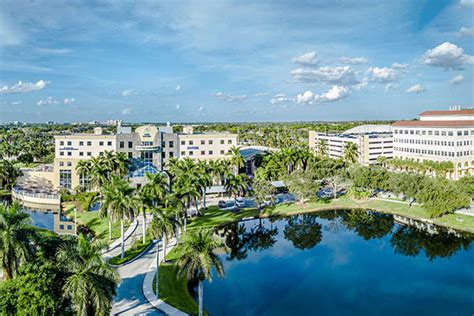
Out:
{"x": 372, "y": 142}
{"x": 152, "y": 145}
{"x": 438, "y": 136}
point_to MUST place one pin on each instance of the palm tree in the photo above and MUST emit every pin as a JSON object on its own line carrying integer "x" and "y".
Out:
{"x": 236, "y": 159}
{"x": 90, "y": 281}
{"x": 118, "y": 203}
{"x": 99, "y": 173}
{"x": 164, "y": 224}
{"x": 350, "y": 152}
{"x": 8, "y": 174}
{"x": 15, "y": 238}
{"x": 187, "y": 191}
{"x": 83, "y": 169}
{"x": 323, "y": 147}
{"x": 236, "y": 185}
{"x": 199, "y": 259}
{"x": 204, "y": 179}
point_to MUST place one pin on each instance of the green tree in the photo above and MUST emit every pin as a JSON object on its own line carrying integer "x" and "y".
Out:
{"x": 199, "y": 258}
{"x": 8, "y": 174}
{"x": 351, "y": 153}
{"x": 264, "y": 191}
{"x": 302, "y": 185}
{"x": 236, "y": 159}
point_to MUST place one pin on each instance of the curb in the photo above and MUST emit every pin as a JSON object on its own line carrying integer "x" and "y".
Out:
{"x": 141, "y": 254}
{"x": 117, "y": 242}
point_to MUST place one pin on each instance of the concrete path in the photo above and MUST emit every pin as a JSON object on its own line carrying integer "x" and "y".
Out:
{"x": 466, "y": 211}
{"x": 111, "y": 250}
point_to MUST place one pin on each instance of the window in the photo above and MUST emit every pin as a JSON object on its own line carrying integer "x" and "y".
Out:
{"x": 450, "y": 133}
{"x": 101, "y": 143}
{"x": 466, "y": 133}
{"x": 81, "y": 143}
{"x": 69, "y": 164}
{"x": 222, "y": 152}
{"x": 130, "y": 144}
{"x": 109, "y": 143}
{"x": 210, "y": 142}
{"x": 163, "y": 154}
{"x": 122, "y": 144}
{"x": 69, "y": 227}
{"x": 81, "y": 153}
{"x": 171, "y": 154}
{"x": 191, "y": 142}
{"x": 222, "y": 142}
{"x": 203, "y": 152}
{"x": 190, "y": 153}
{"x": 89, "y": 143}
{"x": 65, "y": 179}
{"x": 61, "y": 153}
{"x": 61, "y": 143}
{"x": 147, "y": 157}
{"x": 61, "y": 163}
{"x": 459, "y": 133}
{"x": 229, "y": 141}
{"x": 69, "y": 143}
{"x": 61, "y": 226}
{"x": 171, "y": 144}
{"x": 101, "y": 153}
{"x": 183, "y": 142}
{"x": 210, "y": 152}
{"x": 89, "y": 153}
{"x": 183, "y": 153}
{"x": 130, "y": 155}
{"x": 203, "y": 142}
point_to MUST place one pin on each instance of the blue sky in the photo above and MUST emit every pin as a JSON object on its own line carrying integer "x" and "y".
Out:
{"x": 233, "y": 60}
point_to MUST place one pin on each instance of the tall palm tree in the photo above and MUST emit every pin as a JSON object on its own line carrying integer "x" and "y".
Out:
{"x": 351, "y": 153}
{"x": 83, "y": 169}
{"x": 8, "y": 174}
{"x": 90, "y": 282}
{"x": 323, "y": 147}
{"x": 186, "y": 189}
{"x": 236, "y": 185}
{"x": 120, "y": 164}
{"x": 236, "y": 159}
{"x": 199, "y": 259}
{"x": 118, "y": 203}
{"x": 204, "y": 179}
{"x": 15, "y": 238}
{"x": 164, "y": 224}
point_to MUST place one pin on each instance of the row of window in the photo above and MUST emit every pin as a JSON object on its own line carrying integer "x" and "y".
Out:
{"x": 88, "y": 143}
{"x": 209, "y": 141}
{"x": 434, "y": 152}
{"x": 122, "y": 144}
{"x": 203, "y": 153}
{"x": 430, "y": 132}
{"x": 434, "y": 142}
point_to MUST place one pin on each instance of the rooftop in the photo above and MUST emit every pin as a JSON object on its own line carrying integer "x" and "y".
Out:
{"x": 434, "y": 123}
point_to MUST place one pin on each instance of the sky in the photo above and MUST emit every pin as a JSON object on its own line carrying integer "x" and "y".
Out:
{"x": 193, "y": 61}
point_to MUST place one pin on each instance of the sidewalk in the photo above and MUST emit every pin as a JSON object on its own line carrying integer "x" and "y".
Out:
{"x": 114, "y": 248}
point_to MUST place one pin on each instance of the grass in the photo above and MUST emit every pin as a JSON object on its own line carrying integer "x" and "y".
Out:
{"x": 136, "y": 249}
{"x": 92, "y": 220}
{"x": 4, "y": 193}
{"x": 174, "y": 291}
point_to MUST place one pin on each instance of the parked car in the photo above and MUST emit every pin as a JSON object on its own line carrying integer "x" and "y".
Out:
{"x": 222, "y": 204}
{"x": 240, "y": 202}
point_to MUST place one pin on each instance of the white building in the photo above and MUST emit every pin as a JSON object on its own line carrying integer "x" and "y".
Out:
{"x": 438, "y": 136}
{"x": 372, "y": 142}
{"x": 149, "y": 144}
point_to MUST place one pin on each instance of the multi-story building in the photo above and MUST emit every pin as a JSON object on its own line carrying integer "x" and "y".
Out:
{"x": 149, "y": 144}
{"x": 372, "y": 142}
{"x": 438, "y": 136}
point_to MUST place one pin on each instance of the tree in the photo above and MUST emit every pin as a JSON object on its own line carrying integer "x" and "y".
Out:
{"x": 15, "y": 239}
{"x": 83, "y": 169}
{"x": 118, "y": 203}
{"x": 8, "y": 174}
{"x": 337, "y": 183}
{"x": 351, "y": 153}
{"x": 264, "y": 191}
{"x": 90, "y": 283}
{"x": 185, "y": 188}
{"x": 236, "y": 159}
{"x": 236, "y": 185}
{"x": 199, "y": 258}
{"x": 302, "y": 185}
{"x": 323, "y": 147}
{"x": 163, "y": 224}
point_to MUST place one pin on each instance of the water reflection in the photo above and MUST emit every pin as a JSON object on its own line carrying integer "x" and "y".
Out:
{"x": 49, "y": 217}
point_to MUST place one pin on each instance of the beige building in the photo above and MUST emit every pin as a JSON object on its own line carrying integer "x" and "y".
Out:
{"x": 372, "y": 142}
{"x": 438, "y": 136}
{"x": 152, "y": 145}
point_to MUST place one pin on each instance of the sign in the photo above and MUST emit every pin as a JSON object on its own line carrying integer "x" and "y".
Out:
{"x": 193, "y": 147}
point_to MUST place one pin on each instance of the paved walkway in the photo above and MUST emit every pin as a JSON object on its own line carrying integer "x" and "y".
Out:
{"x": 114, "y": 248}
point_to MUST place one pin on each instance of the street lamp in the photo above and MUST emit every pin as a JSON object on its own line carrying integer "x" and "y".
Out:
{"x": 157, "y": 242}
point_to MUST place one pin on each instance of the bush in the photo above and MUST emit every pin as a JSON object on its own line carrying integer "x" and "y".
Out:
{"x": 359, "y": 193}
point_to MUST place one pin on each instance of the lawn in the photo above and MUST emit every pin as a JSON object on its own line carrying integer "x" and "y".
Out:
{"x": 92, "y": 220}
{"x": 137, "y": 248}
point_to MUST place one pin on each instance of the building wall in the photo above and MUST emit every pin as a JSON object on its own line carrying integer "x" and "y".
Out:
{"x": 206, "y": 146}
{"x": 437, "y": 144}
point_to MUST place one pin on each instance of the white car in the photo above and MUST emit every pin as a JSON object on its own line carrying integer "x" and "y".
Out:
{"x": 240, "y": 202}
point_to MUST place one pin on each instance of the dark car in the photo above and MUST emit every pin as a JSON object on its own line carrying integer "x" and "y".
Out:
{"x": 222, "y": 204}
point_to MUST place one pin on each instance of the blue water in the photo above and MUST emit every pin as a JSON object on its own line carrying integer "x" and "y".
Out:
{"x": 342, "y": 264}
{"x": 41, "y": 219}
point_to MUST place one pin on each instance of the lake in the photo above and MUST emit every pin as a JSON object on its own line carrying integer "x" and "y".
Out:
{"x": 342, "y": 263}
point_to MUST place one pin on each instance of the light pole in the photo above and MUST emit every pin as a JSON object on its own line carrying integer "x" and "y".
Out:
{"x": 157, "y": 242}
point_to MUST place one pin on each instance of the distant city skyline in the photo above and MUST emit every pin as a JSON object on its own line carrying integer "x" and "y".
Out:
{"x": 211, "y": 61}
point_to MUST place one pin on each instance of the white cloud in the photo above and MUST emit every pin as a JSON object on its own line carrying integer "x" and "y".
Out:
{"x": 383, "y": 75}
{"x": 340, "y": 76}
{"x": 69, "y": 101}
{"x": 200, "y": 109}
{"x": 448, "y": 56}
{"x": 54, "y": 51}
{"x": 48, "y": 101}
{"x": 334, "y": 94}
{"x": 23, "y": 87}
{"x": 306, "y": 97}
{"x": 391, "y": 87}
{"x": 467, "y": 3}
{"x": 229, "y": 97}
{"x": 178, "y": 106}
{"x": 126, "y": 111}
{"x": 126, "y": 93}
{"x": 308, "y": 59}
{"x": 354, "y": 60}
{"x": 261, "y": 94}
{"x": 398, "y": 66}
{"x": 457, "y": 79}
{"x": 281, "y": 98}
{"x": 178, "y": 87}
{"x": 415, "y": 89}
{"x": 466, "y": 32}
{"x": 16, "y": 102}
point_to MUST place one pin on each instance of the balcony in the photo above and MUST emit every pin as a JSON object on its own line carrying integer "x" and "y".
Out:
{"x": 149, "y": 148}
